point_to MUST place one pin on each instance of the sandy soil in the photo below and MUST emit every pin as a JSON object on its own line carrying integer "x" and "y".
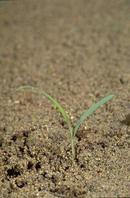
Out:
{"x": 77, "y": 51}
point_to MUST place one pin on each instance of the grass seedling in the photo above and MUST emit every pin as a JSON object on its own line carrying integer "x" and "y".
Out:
{"x": 72, "y": 129}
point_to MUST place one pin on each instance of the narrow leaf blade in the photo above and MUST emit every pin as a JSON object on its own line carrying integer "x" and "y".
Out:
{"x": 90, "y": 111}
{"x": 53, "y": 101}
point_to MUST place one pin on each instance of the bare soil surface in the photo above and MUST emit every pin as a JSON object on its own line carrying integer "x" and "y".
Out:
{"x": 79, "y": 52}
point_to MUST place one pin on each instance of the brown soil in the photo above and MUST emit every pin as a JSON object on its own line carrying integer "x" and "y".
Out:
{"x": 77, "y": 51}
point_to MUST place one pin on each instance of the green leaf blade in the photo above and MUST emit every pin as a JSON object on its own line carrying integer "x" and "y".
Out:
{"x": 90, "y": 111}
{"x": 53, "y": 101}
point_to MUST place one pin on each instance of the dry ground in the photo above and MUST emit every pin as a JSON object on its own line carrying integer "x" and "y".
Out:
{"x": 77, "y": 51}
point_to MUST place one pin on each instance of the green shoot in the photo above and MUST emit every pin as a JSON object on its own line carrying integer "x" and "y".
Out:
{"x": 90, "y": 111}
{"x": 83, "y": 117}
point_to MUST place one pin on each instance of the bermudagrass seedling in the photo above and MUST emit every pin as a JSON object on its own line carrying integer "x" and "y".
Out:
{"x": 83, "y": 117}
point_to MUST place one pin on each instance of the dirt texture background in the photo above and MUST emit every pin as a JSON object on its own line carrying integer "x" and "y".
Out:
{"x": 78, "y": 51}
